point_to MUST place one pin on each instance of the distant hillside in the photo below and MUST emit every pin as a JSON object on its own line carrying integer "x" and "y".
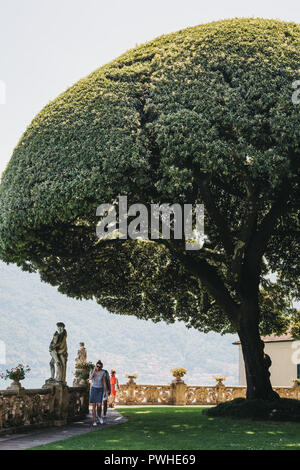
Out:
{"x": 29, "y": 312}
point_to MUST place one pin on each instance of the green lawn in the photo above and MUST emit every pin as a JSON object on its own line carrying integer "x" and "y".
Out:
{"x": 179, "y": 428}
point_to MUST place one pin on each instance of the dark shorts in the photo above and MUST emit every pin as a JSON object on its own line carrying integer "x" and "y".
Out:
{"x": 96, "y": 395}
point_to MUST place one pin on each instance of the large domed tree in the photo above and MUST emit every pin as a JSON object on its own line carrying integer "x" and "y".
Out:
{"x": 204, "y": 115}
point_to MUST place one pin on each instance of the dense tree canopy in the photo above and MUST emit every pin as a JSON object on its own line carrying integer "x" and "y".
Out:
{"x": 202, "y": 115}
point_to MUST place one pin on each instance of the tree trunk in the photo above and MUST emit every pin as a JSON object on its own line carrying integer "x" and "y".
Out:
{"x": 256, "y": 365}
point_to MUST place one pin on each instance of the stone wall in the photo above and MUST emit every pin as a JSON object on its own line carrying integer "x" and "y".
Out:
{"x": 35, "y": 408}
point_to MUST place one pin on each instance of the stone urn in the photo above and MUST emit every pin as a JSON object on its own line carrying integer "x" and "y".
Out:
{"x": 178, "y": 378}
{"x": 131, "y": 379}
{"x": 178, "y": 374}
{"x": 16, "y": 385}
{"x": 220, "y": 381}
{"x": 81, "y": 377}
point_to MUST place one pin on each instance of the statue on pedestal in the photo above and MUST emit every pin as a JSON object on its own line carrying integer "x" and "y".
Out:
{"x": 81, "y": 355}
{"x": 81, "y": 367}
{"x": 59, "y": 355}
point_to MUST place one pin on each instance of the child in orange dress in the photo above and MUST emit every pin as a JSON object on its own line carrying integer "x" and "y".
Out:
{"x": 114, "y": 383}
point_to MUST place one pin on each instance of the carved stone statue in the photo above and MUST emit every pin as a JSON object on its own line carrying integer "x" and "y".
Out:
{"x": 80, "y": 371}
{"x": 81, "y": 355}
{"x": 59, "y": 355}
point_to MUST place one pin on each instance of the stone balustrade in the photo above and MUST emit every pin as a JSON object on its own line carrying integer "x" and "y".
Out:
{"x": 178, "y": 393}
{"x": 35, "y": 408}
{"x": 55, "y": 406}
{"x": 132, "y": 394}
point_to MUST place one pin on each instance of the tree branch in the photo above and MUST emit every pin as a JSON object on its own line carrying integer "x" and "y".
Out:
{"x": 247, "y": 228}
{"x": 265, "y": 229}
{"x": 251, "y": 269}
{"x": 210, "y": 278}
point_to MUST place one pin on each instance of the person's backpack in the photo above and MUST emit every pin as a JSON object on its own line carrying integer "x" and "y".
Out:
{"x": 107, "y": 378}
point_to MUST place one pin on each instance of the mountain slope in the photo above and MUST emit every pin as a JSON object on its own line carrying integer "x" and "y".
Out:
{"x": 30, "y": 310}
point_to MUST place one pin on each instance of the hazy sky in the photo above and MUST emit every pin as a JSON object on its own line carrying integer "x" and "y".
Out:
{"x": 47, "y": 45}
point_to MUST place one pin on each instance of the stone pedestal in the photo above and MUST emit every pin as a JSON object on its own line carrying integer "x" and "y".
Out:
{"x": 220, "y": 395}
{"x": 131, "y": 390}
{"x": 178, "y": 393}
{"x": 61, "y": 401}
{"x": 61, "y": 405}
{"x": 131, "y": 393}
{"x": 49, "y": 383}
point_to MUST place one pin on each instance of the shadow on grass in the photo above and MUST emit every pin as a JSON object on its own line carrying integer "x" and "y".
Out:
{"x": 184, "y": 429}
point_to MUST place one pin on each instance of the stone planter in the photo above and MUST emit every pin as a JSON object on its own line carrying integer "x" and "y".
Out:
{"x": 82, "y": 378}
{"x": 16, "y": 385}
